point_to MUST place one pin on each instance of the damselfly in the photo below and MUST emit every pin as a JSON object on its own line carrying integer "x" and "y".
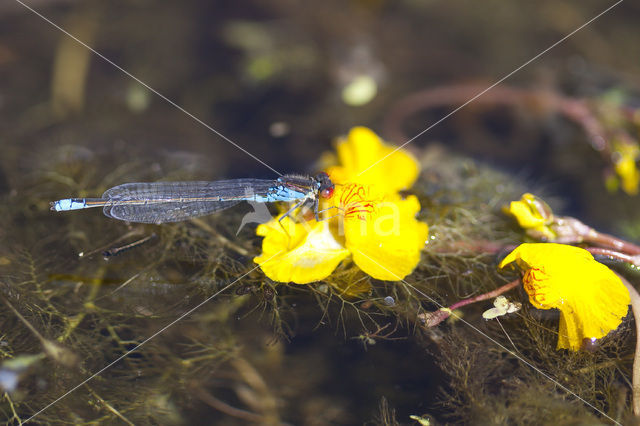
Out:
{"x": 160, "y": 202}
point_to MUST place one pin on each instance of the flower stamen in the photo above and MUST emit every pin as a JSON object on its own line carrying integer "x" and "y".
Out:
{"x": 356, "y": 202}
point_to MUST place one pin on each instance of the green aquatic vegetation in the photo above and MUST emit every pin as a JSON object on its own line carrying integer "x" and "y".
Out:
{"x": 488, "y": 384}
{"x": 347, "y": 347}
{"x": 231, "y": 356}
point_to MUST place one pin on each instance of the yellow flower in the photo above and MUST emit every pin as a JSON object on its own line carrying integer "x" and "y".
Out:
{"x": 370, "y": 221}
{"x": 625, "y": 156}
{"x": 534, "y": 216}
{"x": 591, "y": 298}
{"x": 299, "y": 252}
{"x": 359, "y": 157}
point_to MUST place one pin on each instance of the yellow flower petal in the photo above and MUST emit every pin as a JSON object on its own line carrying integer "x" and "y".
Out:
{"x": 384, "y": 236}
{"x": 524, "y": 215}
{"x": 626, "y": 155}
{"x": 298, "y": 252}
{"x": 533, "y": 214}
{"x": 362, "y": 149}
{"x": 591, "y": 298}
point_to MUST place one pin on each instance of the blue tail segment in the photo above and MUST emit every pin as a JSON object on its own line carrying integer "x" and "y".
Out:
{"x": 75, "y": 204}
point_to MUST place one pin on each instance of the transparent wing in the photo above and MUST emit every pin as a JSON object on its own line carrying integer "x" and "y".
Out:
{"x": 160, "y": 202}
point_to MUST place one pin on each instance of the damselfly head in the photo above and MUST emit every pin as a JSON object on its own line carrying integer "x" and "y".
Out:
{"x": 325, "y": 186}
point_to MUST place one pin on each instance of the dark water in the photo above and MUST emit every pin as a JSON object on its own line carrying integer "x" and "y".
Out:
{"x": 269, "y": 76}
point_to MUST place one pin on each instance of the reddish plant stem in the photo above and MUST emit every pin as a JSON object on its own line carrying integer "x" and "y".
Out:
{"x": 570, "y": 230}
{"x": 472, "y": 246}
{"x": 432, "y": 319}
{"x": 495, "y": 293}
{"x": 609, "y": 241}
{"x": 614, "y": 255}
{"x": 576, "y": 110}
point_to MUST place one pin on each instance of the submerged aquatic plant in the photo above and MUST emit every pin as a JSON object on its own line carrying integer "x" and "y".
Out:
{"x": 368, "y": 220}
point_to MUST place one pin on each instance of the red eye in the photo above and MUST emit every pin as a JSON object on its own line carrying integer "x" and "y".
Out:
{"x": 327, "y": 192}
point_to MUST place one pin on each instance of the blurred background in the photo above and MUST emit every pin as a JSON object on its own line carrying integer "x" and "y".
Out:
{"x": 282, "y": 79}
